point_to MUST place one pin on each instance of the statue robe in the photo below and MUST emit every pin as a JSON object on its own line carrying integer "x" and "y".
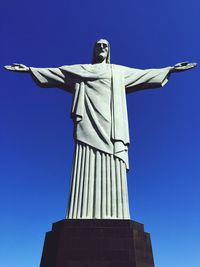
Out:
{"x": 99, "y": 111}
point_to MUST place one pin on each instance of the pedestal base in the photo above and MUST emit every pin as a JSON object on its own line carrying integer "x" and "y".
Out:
{"x": 97, "y": 243}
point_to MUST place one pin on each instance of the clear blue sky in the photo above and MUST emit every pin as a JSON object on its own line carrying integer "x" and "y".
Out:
{"x": 36, "y": 142}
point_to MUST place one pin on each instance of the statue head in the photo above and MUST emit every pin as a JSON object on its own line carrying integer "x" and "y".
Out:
{"x": 101, "y": 52}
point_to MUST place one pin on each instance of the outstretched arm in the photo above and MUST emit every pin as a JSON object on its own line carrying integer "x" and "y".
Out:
{"x": 46, "y": 77}
{"x": 136, "y": 79}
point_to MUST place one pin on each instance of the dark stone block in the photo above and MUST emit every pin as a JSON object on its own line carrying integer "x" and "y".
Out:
{"x": 97, "y": 243}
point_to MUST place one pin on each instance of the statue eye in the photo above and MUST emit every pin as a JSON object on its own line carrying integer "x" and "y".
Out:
{"x": 101, "y": 44}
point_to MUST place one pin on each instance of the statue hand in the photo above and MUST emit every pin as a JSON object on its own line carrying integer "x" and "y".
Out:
{"x": 17, "y": 67}
{"x": 183, "y": 66}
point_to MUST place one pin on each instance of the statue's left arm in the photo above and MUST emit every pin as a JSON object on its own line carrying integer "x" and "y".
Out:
{"x": 136, "y": 79}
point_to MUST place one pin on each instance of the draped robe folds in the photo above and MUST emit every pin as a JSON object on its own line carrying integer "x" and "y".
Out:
{"x": 101, "y": 132}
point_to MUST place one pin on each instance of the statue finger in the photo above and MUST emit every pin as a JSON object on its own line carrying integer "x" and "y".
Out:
{"x": 20, "y": 66}
{"x": 16, "y": 64}
{"x": 8, "y": 67}
{"x": 191, "y": 65}
{"x": 194, "y": 64}
{"x": 184, "y": 63}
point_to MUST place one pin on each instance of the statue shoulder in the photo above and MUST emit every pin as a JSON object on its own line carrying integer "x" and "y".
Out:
{"x": 121, "y": 68}
{"x": 76, "y": 67}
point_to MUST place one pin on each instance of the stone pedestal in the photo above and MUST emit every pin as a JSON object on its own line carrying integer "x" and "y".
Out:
{"x": 97, "y": 243}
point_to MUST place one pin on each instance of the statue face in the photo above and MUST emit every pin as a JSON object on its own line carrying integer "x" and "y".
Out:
{"x": 101, "y": 50}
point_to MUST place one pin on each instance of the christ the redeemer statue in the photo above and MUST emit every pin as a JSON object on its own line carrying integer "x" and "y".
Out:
{"x": 101, "y": 132}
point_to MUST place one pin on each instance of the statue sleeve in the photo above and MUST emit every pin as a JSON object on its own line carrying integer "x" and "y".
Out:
{"x": 136, "y": 79}
{"x": 53, "y": 77}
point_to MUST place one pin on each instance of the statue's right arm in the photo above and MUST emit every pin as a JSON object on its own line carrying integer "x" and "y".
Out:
{"x": 45, "y": 77}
